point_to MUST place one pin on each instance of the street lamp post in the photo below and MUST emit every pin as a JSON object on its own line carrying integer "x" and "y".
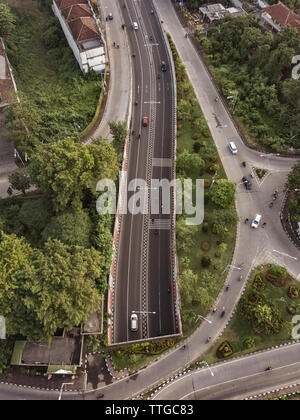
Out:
{"x": 207, "y": 365}
{"x": 232, "y": 266}
{"x": 202, "y": 317}
{"x": 62, "y": 387}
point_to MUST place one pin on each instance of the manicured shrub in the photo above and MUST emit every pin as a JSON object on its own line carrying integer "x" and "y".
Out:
{"x": 207, "y": 183}
{"x": 224, "y": 350}
{"x": 195, "y": 136}
{"x": 259, "y": 282}
{"x": 205, "y": 261}
{"x": 196, "y": 147}
{"x": 206, "y": 133}
{"x": 278, "y": 272}
{"x": 249, "y": 343}
{"x": 293, "y": 292}
{"x": 205, "y": 227}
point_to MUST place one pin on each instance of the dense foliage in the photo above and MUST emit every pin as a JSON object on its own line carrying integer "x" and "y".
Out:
{"x": 57, "y": 99}
{"x": 293, "y": 185}
{"x": 257, "y": 67}
{"x": 43, "y": 290}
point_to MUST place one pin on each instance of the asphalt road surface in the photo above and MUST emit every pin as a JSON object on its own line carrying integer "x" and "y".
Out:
{"x": 144, "y": 265}
{"x": 238, "y": 379}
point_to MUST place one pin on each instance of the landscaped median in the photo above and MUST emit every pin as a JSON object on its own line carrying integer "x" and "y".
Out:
{"x": 204, "y": 251}
{"x": 264, "y": 316}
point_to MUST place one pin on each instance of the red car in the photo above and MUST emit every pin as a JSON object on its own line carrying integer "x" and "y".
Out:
{"x": 145, "y": 121}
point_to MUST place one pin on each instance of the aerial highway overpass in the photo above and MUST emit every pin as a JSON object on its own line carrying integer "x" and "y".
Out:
{"x": 145, "y": 264}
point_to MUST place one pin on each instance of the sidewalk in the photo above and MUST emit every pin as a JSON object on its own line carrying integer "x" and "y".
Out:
{"x": 7, "y": 159}
{"x": 119, "y": 94}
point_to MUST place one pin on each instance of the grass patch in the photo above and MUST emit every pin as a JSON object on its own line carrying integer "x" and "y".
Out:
{"x": 239, "y": 330}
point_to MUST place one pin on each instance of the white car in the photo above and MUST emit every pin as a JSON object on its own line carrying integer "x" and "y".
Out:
{"x": 134, "y": 322}
{"x": 256, "y": 221}
{"x": 135, "y": 26}
{"x": 233, "y": 148}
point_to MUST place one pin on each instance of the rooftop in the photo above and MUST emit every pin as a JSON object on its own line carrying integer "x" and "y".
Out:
{"x": 283, "y": 15}
{"x": 63, "y": 351}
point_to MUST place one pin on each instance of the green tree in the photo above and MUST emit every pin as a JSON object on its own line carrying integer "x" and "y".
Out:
{"x": 71, "y": 227}
{"x": 66, "y": 170}
{"x": 223, "y": 193}
{"x": 7, "y": 20}
{"x": 19, "y": 181}
{"x": 60, "y": 287}
{"x": 119, "y": 131}
{"x": 15, "y": 256}
{"x": 293, "y": 182}
{"x": 189, "y": 164}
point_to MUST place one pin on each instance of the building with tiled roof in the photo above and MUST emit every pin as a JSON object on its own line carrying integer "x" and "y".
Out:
{"x": 8, "y": 88}
{"x": 278, "y": 16}
{"x": 83, "y": 34}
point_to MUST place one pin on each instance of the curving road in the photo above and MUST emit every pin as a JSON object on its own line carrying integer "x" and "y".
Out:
{"x": 238, "y": 379}
{"x": 253, "y": 247}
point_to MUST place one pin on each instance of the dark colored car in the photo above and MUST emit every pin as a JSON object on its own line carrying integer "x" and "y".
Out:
{"x": 163, "y": 66}
{"x": 247, "y": 183}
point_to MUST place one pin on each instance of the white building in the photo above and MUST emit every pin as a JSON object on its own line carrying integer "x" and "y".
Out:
{"x": 83, "y": 34}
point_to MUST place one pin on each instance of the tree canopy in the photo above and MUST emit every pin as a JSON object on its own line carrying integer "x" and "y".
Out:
{"x": 223, "y": 193}
{"x": 43, "y": 290}
{"x": 65, "y": 170}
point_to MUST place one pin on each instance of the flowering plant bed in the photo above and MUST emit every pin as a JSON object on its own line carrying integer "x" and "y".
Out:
{"x": 224, "y": 350}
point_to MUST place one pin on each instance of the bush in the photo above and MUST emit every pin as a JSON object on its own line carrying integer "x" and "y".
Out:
{"x": 196, "y": 147}
{"x": 249, "y": 343}
{"x": 205, "y": 227}
{"x": 206, "y": 133}
{"x": 195, "y": 136}
{"x": 224, "y": 350}
{"x": 278, "y": 272}
{"x": 259, "y": 282}
{"x": 205, "y": 261}
{"x": 293, "y": 292}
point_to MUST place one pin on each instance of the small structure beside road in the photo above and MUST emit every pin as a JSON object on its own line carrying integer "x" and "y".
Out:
{"x": 62, "y": 356}
{"x": 215, "y": 12}
{"x": 278, "y": 16}
{"x": 80, "y": 26}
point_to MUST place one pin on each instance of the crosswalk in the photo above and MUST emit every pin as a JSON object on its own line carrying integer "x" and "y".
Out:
{"x": 160, "y": 224}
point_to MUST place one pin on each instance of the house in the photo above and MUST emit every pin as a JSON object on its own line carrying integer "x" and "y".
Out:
{"x": 278, "y": 16}
{"x": 215, "y": 12}
{"x": 62, "y": 356}
{"x": 8, "y": 89}
{"x": 83, "y": 34}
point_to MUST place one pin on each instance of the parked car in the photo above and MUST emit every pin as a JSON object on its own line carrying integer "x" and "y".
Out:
{"x": 256, "y": 221}
{"x": 134, "y": 322}
{"x": 135, "y": 26}
{"x": 145, "y": 121}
